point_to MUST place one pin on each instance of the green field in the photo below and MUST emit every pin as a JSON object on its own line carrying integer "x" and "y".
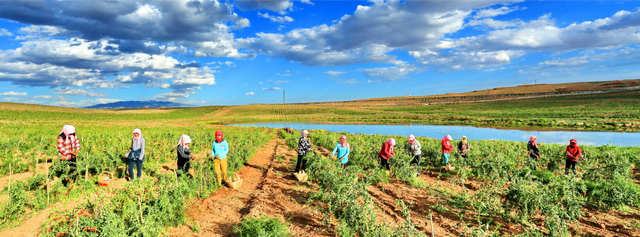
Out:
{"x": 617, "y": 111}
{"x": 510, "y": 191}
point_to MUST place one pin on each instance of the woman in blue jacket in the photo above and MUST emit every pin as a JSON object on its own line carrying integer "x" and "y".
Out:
{"x": 343, "y": 150}
{"x": 219, "y": 151}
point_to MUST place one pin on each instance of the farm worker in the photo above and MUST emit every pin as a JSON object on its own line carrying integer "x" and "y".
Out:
{"x": 136, "y": 153}
{"x": 463, "y": 147}
{"x": 219, "y": 151}
{"x": 415, "y": 150}
{"x": 343, "y": 148}
{"x": 303, "y": 147}
{"x": 574, "y": 152}
{"x": 446, "y": 148}
{"x": 533, "y": 149}
{"x": 386, "y": 153}
{"x": 184, "y": 155}
{"x": 68, "y": 148}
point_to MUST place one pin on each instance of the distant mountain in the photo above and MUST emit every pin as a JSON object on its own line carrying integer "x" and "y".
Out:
{"x": 138, "y": 104}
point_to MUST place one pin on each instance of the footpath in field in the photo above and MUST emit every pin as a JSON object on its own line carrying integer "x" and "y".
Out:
{"x": 268, "y": 188}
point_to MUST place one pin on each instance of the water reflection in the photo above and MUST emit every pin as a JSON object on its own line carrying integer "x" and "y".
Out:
{"x": 475, "y": 133}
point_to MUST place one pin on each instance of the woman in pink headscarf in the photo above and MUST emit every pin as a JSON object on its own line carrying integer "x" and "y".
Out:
{"x": 386, "y": 153}
{"x": 343, "y": 149}
{"x": 534, "y": 151}
{"x": 68, "y": 148}
{"x": 415, "y": 150}
{"x": 446, "y": 148}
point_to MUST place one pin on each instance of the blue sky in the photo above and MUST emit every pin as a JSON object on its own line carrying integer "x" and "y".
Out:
{"x": 203, "y": 52}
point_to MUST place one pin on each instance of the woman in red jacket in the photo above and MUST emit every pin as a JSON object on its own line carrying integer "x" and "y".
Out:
{"x": 446, "y": 148}
{"x": 574, "y": 153}
{"x": 387, "y": 152}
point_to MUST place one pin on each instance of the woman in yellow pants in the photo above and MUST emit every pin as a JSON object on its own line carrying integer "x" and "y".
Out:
{"x": 219, "y": 151}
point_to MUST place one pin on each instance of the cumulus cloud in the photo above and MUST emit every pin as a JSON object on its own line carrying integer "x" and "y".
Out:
{"x": 249, "y": 93}
{"x": 280, "y": 82}
{"x": 371, "y": 32}
{"x": 277, "y": 19}
{"x": 271, "y": 89}
{"x": 203, "y": 26}
{"x": 491, "y": 12}
{"x": 272, "y": 5}
{"x": 13, "y": 93}
{"x": 42, "y": 97}
{"x": 543, "y": 35}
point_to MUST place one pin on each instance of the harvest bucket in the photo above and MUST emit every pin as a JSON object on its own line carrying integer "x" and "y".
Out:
{"x": 234, "y": 182}
{"x": 301, "y": 176}
{"x": 105, "y": 178}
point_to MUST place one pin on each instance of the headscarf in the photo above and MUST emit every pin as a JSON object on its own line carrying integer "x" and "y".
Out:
{"x": 533, "y": 139}
{"x": 573, "y": 142}
{"x": 343, "y": 141}
{"x": 447, "y": 138}
{"x": 184, "y": 139}
{"x": 67, "y": 130}
{"x": 137, "y": 130}
{"x": 412, "y": 139}
{"x": 464, "y": 139}
{"x": 391, "y": 142}
{"x": 219, "y": 133}
{"x": 304, "y": 132}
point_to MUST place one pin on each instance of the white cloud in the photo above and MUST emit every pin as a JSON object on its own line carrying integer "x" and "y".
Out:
{"x": 491, "y": 12}
{"x": 229, "y": 64}
{"x": 13, "y": 93}
{"x": 277, "y": 19}
{"x": 105, "y": 101}
{"x": 77, "y": 92}
{"x": 42, "y": 97}
{"x": 280, "y": 82}
{"x": 334, "y": 73}
{"x": 543, "y": 35}
{"x": 5, "y": 32}
{"x": 249, "y": 93}
{"x": 271, "y": 89}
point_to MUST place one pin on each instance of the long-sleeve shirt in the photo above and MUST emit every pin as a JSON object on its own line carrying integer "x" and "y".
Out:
{"x": 462, "y": 147}
{"x": 535, "y": 151}
{"x": 343, "y": 152}
{"x": 446, "y": 147}
{"x": 303, "y": 146}
{"x": 415, "y": 149}
{"x": 65, "y": 146}
{"x": 137, "y": 148}
{"x": 220, "y": 149}
{"x": 574, "y": 153}
{"x": 184, "y": 153}
{"x": 387, "y": 151}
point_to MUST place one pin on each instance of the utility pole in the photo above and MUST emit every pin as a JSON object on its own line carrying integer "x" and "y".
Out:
{"x": 283, "y": 97}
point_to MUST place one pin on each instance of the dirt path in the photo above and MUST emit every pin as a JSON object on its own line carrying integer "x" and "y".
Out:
{"x": 32, "y": 226}
{"x": 268, "y": 188}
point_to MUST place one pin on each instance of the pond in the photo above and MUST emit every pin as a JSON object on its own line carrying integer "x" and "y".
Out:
{"x": 476, "y": 133}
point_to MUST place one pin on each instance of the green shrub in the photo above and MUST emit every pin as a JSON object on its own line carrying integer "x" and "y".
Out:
{"x": 262, "y": 226}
